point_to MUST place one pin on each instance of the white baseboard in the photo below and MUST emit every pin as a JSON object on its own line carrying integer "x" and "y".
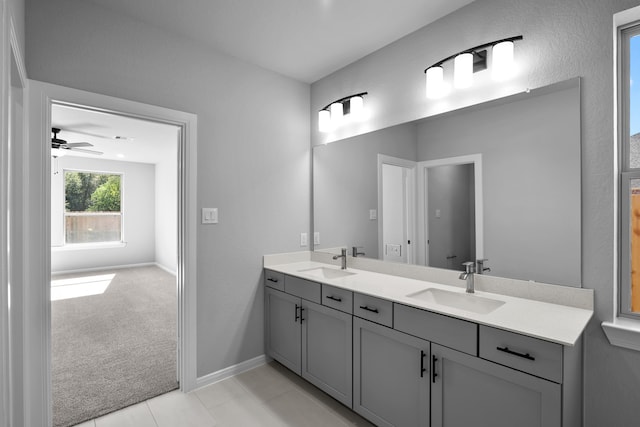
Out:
{"x": 230, "y": 371}
{"x": 110, "y": 267}
{"x": 167, "y": 269}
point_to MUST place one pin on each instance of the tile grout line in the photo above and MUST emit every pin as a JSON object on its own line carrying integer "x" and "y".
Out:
{"x": 146, "y": 402}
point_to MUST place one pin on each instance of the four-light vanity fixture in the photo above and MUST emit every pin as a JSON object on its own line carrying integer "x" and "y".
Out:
{"x": 470, "y": 61}
{"x": 349, "y": 108}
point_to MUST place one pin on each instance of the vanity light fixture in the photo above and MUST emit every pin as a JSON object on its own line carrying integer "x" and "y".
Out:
{"x": 469, "y": 61}
{"x": 337, "y": 112}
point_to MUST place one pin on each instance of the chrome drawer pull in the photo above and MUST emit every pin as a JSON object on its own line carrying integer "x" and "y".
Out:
{"x": 331, "y": 297}
{"x": 373, "y": 310}
{"x": 515, "y": 353}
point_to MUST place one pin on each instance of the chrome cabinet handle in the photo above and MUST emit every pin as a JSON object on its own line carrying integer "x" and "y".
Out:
{"x": 331, "y": 297}
{"x": 422, "y": 368}
{"x": 373, "y": 310}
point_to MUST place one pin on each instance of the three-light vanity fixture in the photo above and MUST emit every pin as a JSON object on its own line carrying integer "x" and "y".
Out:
{"x": 334, "y": 114}
{"x": 470, "y": 61}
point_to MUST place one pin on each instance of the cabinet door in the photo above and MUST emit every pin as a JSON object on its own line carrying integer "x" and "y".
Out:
{"x": 327, "y": 350}
{"x": 471, "y": 391}
{"x": 391, "y": 376}
{"x": 283, "y": 328}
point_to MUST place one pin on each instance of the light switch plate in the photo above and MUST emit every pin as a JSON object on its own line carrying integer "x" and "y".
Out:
{"x": 209, "y": 215}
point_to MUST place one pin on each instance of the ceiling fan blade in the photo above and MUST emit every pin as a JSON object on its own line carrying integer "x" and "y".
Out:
{"x": 82, "y": 150}
{"x": 78, "y": 144}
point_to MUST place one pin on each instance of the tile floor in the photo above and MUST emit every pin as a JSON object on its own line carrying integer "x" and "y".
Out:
{"x": 269, "y": 396}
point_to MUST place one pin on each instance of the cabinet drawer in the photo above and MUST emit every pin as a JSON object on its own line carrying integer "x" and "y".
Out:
{"x": 531, "y": 355}
{"x": 448, "y": 331}
{"x": 374, "y": 309}
{"x": 303, "y": 288}
{"x": 337, "y": 298}
{"x": 274, "y": 279}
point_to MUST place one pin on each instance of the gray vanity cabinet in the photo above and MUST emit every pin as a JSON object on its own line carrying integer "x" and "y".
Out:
{"x": 390, "y": 376}
{"x": 283, "y": 334}
{"x": 327, "y": 350}
{"x": 468, "y": 391}
{"x": 312, "y": 340}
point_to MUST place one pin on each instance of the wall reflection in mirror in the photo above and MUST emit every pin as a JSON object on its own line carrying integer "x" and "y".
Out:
{"x": 497, "y": 181}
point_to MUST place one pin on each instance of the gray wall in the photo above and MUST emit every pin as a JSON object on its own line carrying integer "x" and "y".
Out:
{"x": 531, "y": 177}
{"x": 253, "y": 150}
{"x": 562, "y": 39}
{"x": 346, "y": 186}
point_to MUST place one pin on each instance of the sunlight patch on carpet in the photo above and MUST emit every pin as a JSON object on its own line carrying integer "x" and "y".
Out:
{"x": 80, "y": 286}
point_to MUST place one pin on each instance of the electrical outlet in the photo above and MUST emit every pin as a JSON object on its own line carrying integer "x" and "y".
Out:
{"x": 209, "y": 215}
{"x": 316, "y": 237}
{"x": 373, "y": 214}
{"x": 303, "y": 239}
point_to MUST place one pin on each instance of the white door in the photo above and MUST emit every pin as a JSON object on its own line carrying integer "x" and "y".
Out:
{"x": 396, "y": 207}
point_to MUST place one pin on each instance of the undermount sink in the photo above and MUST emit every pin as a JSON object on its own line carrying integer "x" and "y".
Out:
{"x": 326, "y": 272}
{"x": 461, "y": 301}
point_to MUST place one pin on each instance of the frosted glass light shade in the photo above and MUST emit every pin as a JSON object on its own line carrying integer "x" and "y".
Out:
{"x": 324, "y": 121}
{"x": 463, "y": 70}
{"x": 502, "y": 64}
{"x": 435, "y": 83}
{"x": 356, "y": 105}
{"x": 336, "y": 113}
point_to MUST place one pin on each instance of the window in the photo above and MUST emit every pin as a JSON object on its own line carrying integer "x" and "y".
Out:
{"x": 92, "y": 211}
{"x": 629, "y": 139}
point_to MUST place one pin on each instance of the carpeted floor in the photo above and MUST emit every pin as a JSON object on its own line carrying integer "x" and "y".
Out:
{"x": 112, "y": 349}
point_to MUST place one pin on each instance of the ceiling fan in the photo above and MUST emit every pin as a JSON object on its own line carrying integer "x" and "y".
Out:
{"x": 61, "y": 144}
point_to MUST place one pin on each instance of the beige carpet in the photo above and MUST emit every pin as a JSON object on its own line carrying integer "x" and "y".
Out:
{"x": 116, "y": 345}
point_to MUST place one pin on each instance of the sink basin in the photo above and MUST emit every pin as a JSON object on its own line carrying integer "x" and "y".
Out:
{"x": 326, "y": 272}
{"x": 461, "y": 301}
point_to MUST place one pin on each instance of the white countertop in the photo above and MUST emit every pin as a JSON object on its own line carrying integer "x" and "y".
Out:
{"x": 557, "y": 323}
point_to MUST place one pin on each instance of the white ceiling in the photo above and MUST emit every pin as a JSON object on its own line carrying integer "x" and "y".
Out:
{"x": 302, "y": 39}
{"x": 146, "y": 141}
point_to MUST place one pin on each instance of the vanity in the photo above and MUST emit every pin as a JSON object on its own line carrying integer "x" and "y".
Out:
{"x": 412, "y": 352}
{"x": 394, "y": 336}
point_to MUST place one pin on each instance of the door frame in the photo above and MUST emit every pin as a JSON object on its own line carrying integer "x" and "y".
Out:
{"x": 12, "y": 69}
{"x": 38, "y": 235}
{"x": 410, "y": 204}
{"x": 423, "y": 205}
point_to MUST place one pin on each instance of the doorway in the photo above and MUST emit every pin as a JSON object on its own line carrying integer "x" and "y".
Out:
{"x": 450, "y": 211}
{"x": 38, "y": 292}
{"x": 396, "y": 207}
{"x": 113, "y": 261}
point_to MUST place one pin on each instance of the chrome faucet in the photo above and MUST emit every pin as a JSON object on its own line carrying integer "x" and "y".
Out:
{"x": 344, "y": 258}
{"x": 480, "y": 268}
{"x": 468, "y": 275}
{"x": 354, "y": 251}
